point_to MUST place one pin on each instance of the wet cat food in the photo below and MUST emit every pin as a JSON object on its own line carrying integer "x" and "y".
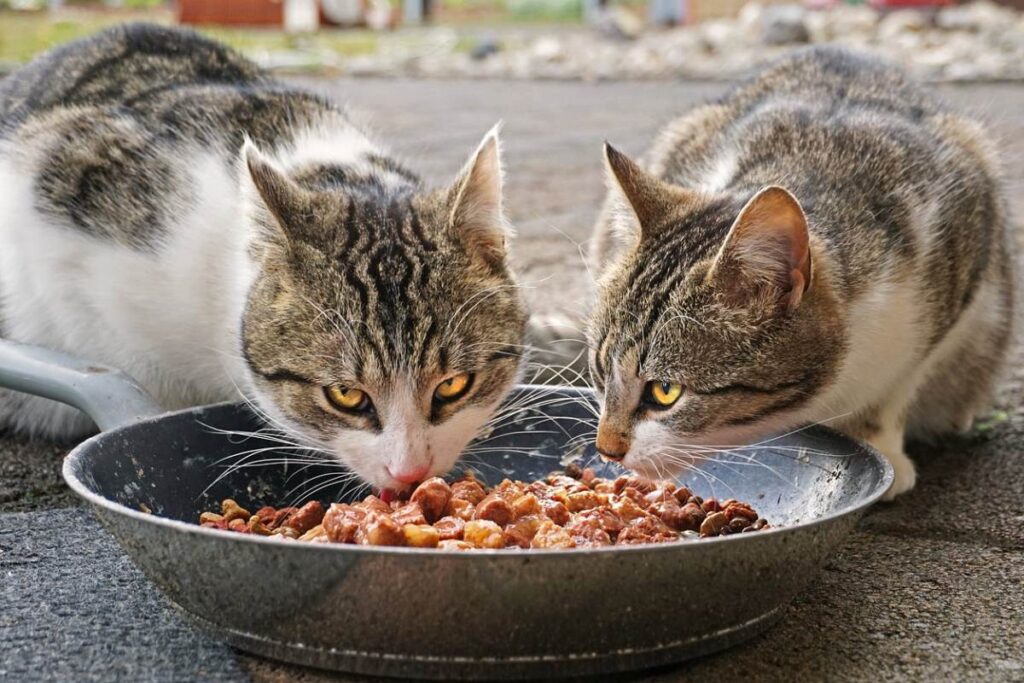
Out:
{"x": 571, "y": 509}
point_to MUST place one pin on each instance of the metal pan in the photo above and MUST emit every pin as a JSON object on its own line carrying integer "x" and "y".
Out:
{"x": 428, "y": 614}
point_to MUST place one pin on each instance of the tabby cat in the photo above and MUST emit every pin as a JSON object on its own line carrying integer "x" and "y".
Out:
{"x": 826, "y": 243}
{"x": 171, "y": 210}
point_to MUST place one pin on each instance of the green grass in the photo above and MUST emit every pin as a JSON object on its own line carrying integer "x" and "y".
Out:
{"x": 23, "y": 35}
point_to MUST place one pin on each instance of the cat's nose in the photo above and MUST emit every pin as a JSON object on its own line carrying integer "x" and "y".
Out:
{"x": 611, "y": 445}
{"x": 411, "y": 475}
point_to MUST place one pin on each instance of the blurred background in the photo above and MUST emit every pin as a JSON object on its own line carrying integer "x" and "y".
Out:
{"x": 940, "y": 40}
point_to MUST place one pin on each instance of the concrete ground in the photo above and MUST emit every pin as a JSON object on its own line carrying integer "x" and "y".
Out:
{"x": 930, "y": 587}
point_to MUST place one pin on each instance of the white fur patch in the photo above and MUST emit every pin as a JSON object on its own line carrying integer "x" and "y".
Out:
{"x": 328, "y": 145}
{"x": 721, "y": 173}
{"x": 169, "y": 319}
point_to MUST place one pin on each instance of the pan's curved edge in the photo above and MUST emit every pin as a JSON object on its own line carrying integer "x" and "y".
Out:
{"x": 491, "y": 668}
{"x": 71, "y": 472}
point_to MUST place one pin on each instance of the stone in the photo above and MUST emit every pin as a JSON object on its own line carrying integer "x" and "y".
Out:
{"x": 784, "y": 25}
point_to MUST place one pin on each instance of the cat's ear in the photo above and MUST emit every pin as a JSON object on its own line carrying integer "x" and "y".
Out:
{"x": 767, "y": 250}
{"x": 277, "y": 202}
{"x": 651, "y": 199}
{"x": 475, "y": 202}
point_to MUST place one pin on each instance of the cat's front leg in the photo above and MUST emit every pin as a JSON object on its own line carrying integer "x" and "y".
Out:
{"x": 888, "y": 440}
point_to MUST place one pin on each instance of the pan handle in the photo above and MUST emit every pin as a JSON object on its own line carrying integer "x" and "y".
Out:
{"x": 111, "y": 398}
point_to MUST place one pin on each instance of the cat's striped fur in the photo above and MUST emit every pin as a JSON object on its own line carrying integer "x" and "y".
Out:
{"x": 905, "y": 246}
{"x": 169, "y": 209}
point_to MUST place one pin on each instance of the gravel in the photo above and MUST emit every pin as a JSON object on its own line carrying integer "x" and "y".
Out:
{"x": 976, "y": 42}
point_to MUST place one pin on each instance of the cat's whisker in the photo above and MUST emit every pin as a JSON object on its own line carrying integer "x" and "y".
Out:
{"x": 309, "y": 495}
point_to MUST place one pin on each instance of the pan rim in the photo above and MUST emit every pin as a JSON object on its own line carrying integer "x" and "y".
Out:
{"x": 73, "y": 458}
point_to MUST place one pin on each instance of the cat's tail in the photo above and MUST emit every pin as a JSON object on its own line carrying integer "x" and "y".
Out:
{"x": 558, "y": 350}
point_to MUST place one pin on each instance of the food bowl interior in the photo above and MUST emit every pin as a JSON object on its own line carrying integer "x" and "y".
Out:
{"x": 180, "y": 465}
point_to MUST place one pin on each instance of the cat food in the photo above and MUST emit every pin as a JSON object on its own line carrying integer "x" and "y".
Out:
{"x": 571, "y": 509}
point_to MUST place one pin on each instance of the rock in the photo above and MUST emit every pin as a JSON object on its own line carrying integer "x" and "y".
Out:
{"x": 548, "y": 49}
{"x": 784, "y": 25}
{"x": 901, "y": 22}
{"x": 617, "y": 24}
{"x": 980, "y": 41}
{"x": 484, "y": 49}
{"x": 975, "y": 16}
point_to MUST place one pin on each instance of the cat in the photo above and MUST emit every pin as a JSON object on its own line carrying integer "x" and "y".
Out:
{"x": 170, "y": 210}
{"x": 826, "y": 243}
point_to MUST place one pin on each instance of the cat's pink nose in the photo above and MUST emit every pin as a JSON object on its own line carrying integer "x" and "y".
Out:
{"x": 410, "y": 476}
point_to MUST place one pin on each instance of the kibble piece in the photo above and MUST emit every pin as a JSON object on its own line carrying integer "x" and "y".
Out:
{"x": 509, "y": 490}
{"x": 549, "y": 535}
{"x": 574, "y": 470}
{"x": 526, "y": 504}
{"x": 379, "y": 529}
{"x": 693, "y": 516}
{"x": 583, "y": 500}
{"x": 496, "y": 509}
{"x": 521, "y": 531}
{"x": 713, "y": 524}
{"x": 660, "y": 495}
{"x": 232, "y": 510}
{"x": 221, "y": 524}
{"x": 483, "y": 533}
{"x": 627, "y": 509}
{"x": 587, "y": 532}
{"x": 461, "y": 508}
{"x": 450, "y": 528}
{"x": 468, "y": 489}
{"x": 738, "y": 524}
{"x": 555, "y": 511}
{"x": 289, "y": 532}
{"x": 671, "y": 514}
{"x": 375, "y": 504}
{"x": 608, "y": 520}
{"x": 211, "y": 518}
{"x": 433, "y": 496}
{"x": 736, "y": 509}
{"x": 421, "y": 535}
{"x": 644, "y": 486}
{"x": 711, "y": 505}
{"x": 266, "y": 514}
{"x": 342, "y": 521}
{"x": 257, "y": 527}
{"x": 568, "y": 483}
{"x": 315, "y": 535}
{"x": 682, "y": 495}
{"x": 454, "y": 545}
{"x": 306, "y": 517}
{"x": 280, "y": 516}
{"x": 410, "y": 513}
{"x": 646, "y": 529}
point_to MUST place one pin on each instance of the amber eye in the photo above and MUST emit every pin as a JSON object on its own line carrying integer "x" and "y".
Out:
{"x": 662, "y": 394}
{"x": 351, "y": 400}
{"x": 453, "y": 387}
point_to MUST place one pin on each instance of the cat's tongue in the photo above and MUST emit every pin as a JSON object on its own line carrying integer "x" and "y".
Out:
{"x": 387, "y": 495}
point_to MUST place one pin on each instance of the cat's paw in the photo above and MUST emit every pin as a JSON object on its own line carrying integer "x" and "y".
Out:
{"x": 905, "y": 474}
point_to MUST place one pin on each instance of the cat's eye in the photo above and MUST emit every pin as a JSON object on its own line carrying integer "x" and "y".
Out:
{"x": 662, "y": 394}
{"x": 454, "y": 387}
{"x": 344, "y": 398}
